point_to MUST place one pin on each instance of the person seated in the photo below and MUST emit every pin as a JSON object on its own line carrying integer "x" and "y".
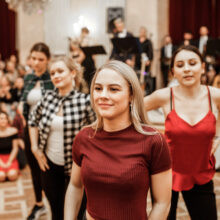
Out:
{"x": 17, "y": 89}
{"x": 11, "y": 71}
{"x": 6, "y": 95}
{"x": 21, "y": 71}
{"x": 8, "y": 150}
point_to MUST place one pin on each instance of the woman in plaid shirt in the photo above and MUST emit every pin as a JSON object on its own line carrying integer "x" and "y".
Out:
{"x": 55, "y": 121}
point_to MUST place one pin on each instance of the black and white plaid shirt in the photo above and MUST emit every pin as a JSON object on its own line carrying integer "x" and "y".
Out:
{"x": 77, "y": 112}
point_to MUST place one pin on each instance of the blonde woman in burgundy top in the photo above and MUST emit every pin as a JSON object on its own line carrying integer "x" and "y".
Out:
{"x": 190, "y": 128}
{"x": 118, "y": 158}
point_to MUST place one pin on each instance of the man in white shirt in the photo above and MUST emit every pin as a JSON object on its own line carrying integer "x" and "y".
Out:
{"x": 203, "y": 31}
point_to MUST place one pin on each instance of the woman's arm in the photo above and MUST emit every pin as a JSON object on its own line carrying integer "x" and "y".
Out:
{"x": 157, "y": 99}
{"x": 161, "y": 187}
{"x": 39, "y": 155}
{"x": 74, "y": 194}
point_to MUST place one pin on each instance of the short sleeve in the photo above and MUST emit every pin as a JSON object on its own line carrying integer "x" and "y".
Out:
{"x": 76, "y": 150}
{"x": 160, "y": 155}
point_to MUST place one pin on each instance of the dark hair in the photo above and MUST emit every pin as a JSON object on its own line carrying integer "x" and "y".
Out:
{"x": 6, "y": 114}
{"x": 41, "y": 47}
{"x": 188, "y": 32}
{"x": 188, "y": 48}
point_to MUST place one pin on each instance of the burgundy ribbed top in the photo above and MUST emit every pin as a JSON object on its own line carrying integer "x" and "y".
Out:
{"x": 116, "y": 169}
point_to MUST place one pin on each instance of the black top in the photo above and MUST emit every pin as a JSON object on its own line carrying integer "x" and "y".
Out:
{"x": 6, "y": 143}
{"x": 147, "y": 48}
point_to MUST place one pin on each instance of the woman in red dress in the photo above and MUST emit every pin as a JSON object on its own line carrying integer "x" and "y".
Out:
{"x": 190, "y": 130}
{"x": 118, "y": 158}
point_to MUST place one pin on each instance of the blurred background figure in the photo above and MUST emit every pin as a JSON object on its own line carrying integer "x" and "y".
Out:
{"x": 11, "y": 71}
{"x": 121, "y": 32}
{"x": 144, "y": 60}
{"x": 86, "y": 60}
{"x": 165, "y": 57}
{"x": 85, "y": 38}
{"x": 203, "y": 39}
{"x": 187, "y": 38}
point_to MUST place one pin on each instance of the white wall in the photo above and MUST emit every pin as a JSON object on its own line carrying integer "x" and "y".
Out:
{"x": 29, "y": 31}
{"x": 63, "y": 19}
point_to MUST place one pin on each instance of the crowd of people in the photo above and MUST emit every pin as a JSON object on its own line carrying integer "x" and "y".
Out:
{"x": 86, "y": 138}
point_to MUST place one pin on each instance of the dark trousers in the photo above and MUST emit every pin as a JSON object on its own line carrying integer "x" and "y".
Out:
{"x": 200, "y": 202}
{"x": 34, "y": 167}
{"x": 165, "y": 73}
{"x": 55, "y": 183}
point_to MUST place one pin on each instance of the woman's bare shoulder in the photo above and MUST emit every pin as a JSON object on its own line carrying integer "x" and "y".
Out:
{"x": 161, "y": 94}
{"x": 157, "y": 99}
{"x": 12, "y": 130}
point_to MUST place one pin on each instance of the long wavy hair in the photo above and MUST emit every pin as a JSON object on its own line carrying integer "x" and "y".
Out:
{"x": 137, "y": 113}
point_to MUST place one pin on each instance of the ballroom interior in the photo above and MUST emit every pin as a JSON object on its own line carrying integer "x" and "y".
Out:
{"x": 56, "y": 22}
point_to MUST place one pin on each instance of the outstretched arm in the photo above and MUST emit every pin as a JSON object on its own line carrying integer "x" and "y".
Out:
{"x": 157, "y": 99}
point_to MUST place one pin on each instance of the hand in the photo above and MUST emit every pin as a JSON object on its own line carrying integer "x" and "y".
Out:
{"x": 41, "y": 159}
{"x": 215, "y": 144}
{"x": 8, "y": 164}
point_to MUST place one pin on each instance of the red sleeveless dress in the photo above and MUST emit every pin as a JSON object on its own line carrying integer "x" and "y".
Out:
{"x": 190, "y": 147}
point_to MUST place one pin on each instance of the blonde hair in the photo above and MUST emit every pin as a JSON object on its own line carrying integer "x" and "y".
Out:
{"x": 71, "y": 64}
{"x": 137, "y": 113}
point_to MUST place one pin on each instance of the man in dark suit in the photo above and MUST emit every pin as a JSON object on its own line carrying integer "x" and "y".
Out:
{"x": 121, "y": 32}
{"x": 165, "y": 58}
{"x": 187, "y": 38}
{"x": 201, "y": 43}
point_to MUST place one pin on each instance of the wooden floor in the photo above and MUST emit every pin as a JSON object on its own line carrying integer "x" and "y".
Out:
{"x": 17, "y": 199}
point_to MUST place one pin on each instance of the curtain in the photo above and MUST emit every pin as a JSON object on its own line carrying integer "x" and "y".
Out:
{"x": 7, "y": 33}
{"x": 190, "y": 15}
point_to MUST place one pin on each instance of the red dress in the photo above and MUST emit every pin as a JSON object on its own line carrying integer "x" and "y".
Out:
{"x": 190, "y": 147}
{"x": 116, "y": 169}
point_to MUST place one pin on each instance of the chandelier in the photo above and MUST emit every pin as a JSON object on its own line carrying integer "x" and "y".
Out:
{"x": 29, "y": 6}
